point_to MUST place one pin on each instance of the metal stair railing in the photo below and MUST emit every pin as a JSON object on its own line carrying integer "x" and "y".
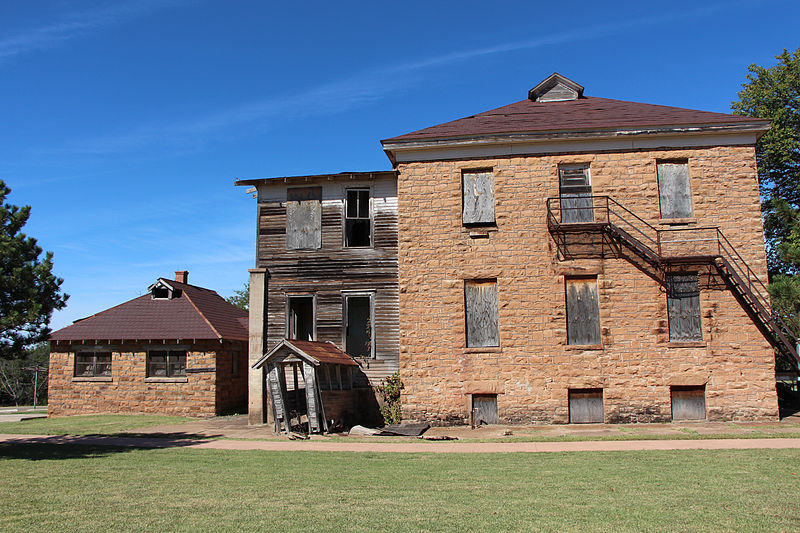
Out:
{"x": 657, "y": 246}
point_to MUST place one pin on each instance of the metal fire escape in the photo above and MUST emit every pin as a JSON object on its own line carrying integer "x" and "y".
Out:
{"x": 568, "y": 218}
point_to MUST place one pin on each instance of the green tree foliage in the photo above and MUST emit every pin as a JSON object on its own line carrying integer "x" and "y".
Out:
{"x": 240, "y": 297}
{"x": 774, "y": 93}
{"x": 29, "y": 292}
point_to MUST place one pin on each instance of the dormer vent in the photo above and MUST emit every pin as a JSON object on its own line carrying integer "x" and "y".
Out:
{"x": 556, "y": 88}
{"x": 161, "y": 290}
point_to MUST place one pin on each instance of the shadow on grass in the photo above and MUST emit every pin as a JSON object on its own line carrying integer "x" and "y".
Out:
{"x": 50, "y": 447}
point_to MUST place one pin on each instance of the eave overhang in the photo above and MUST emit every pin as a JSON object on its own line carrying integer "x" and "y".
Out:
{"x": 505, "y": 144}
{"x": 341, "y": 176}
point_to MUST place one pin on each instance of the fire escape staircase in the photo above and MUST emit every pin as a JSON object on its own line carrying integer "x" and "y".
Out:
{"x": 665, "y": 248}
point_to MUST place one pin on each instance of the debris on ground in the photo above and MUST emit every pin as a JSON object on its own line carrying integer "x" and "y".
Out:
{"x": 438, "y": 437}
{"x": 507, "y": 433}
{"x": 405, "y": 430}
{"x": 361, "y": 431}
{"x": 297, "y": 436}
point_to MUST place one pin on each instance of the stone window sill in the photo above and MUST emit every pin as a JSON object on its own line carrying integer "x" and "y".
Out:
{"x": 481, "y": 232}
{"x": 95, "y": 378}
{"x": 687, "y": 344}
{"x": 167, "y": 380}
{"x": 677, "y": 221}
{"x": 584, "y": 347}
{"x": 483, "y": 349}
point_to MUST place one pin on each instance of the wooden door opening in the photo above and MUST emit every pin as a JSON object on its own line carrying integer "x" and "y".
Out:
{"x": 484, "y": 409}
{"x": 586, "y": 406}
{"x": 688, "y": 402}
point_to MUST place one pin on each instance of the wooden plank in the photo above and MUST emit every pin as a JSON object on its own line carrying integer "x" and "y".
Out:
{"x": 575, "y": 194}
{"x": 480, "y": 304}
{"x": 586, "y": 406}
{"x": 674, "y": 190}
{"x": 303, "y": 225}
{"x": 583, "y": 311}
{"x": 688, "y": 402}
{"x": 683, "y": 308}
{"x": 478, "y": 189}
{"x": 485, "y": 408}
{"x": 309, "y": 375}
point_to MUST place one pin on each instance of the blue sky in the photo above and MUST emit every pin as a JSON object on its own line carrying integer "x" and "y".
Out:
{"x": 124, "y": 124}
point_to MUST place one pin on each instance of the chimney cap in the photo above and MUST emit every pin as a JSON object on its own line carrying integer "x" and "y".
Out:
{"x": 182, "y": 276}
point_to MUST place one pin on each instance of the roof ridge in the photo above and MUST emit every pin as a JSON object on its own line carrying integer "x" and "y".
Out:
{"x": 202, "y": 315}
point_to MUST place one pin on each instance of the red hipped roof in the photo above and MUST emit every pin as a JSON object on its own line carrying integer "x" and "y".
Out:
{"x": 196, "y": 313}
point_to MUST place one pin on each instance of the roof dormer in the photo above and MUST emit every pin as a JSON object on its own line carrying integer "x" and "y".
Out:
{"x": 556, "y": 88}
{"x": 161, "y": 290}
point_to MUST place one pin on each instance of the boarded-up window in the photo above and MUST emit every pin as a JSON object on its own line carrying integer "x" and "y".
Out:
{"x": 688, "y": 402}
{"x": 303, "y": 218}
{"x": 683, "y": 307}
{"x": 478, "y": 188}
{"x": 575, "y": 193}
{"x": 357, "y": 222}
{"x": 484, "y": 409}
{"x": 480, "y": 303}
{"x": 586, "y": 406}
{"x": 674, "y": 191}
{"x": 583, "y": 311}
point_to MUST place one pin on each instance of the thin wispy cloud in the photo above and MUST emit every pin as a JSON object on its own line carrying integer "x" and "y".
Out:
{"x": 77, "y": 25}
{"x": 358, "y": 90}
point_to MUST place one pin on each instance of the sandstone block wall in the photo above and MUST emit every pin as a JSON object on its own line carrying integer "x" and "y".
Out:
{"x": 129, "y": 390}
{"x": 533, "y": 368}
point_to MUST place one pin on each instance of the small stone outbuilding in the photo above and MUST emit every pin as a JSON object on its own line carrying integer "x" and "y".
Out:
{"x": 178, "y": 350}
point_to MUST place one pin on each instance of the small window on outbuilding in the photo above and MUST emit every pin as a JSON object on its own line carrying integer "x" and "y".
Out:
{"x": 478, "y": 197}
{"x": 303, "y": 218}
{"x": 480, "y": 304}
{"x": 92, "y": 364}
{"x": 357, "y": 219}
{"x": 583, "y": 311}
{"x": 585, "y": 406}
{"x": 688, "y": 402}
{"x": 166, "y": 363}
{"x": 683, "y": 308}
{"x": 674, "y": 189}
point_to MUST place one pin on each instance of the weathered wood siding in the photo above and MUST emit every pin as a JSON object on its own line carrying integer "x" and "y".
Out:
{"x": 332, "y": 270}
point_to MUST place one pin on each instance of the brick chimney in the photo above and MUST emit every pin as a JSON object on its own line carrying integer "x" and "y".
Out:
{"x": 182, "y": 276}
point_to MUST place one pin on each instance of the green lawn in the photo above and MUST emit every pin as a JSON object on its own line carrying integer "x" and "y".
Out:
{"x": 88, "y": 424}
{"x": 71, "y": 488}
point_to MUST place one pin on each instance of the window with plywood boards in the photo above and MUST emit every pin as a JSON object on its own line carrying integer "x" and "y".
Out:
{"x": 478, "y": 197}
{"x": 683, "y": 307}
{"x": 585, "y": 406}
{"x": 575, "y": 194}
{"x": 303, "y": 218}
{"x": 481, "y": 313}
{"x": 583, "y": 311}
{"x": 674, "y": 189}
{"x": 688, "y": 402}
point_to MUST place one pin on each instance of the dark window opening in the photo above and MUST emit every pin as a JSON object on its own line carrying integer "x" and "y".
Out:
{"x": 674, "y": 189}
{"x": 166, "y": 363}
{"x": 92, "y": 364}
{"x": 484, "y": 409}
{"x": 358, "y": 326}
{"x": 683, "y": 308}
{"x": 301, "y": 318}
{"x": 478, "y": 197}
{"x": 585, "y": 406}
{"x": 357, "y": 221}
{"x": 583, "y": 311}
{"x": 160, "y": 293}
{"x": 576, "y": 194}
{"x": 688, "y": 402}
{"x": 480, "y": 305}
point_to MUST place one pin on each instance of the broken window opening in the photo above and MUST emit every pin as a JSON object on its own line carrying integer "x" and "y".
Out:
{"x": 357, "y": 219}
{"x": 359, "y": 334}
{"x": 300, "y": 318}
{"x": 576, "y": 194}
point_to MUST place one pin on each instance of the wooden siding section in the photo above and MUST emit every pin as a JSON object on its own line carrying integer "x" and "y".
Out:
{"x": 332, "y": 271}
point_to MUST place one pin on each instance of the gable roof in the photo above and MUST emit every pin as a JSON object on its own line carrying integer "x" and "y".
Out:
{"x": 194, "y": 313}
{"x": 582, "y": 114}
{"x": 314, "y": 352}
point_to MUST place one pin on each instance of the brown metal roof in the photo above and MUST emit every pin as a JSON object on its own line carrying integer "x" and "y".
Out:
{"x": 589, "y": 113}
{"x": 197, "y": 313}
{"x": 324, "y": 352}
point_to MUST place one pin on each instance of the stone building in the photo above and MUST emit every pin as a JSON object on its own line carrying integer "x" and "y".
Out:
{"x": 178, "y": 350}
{"x": 564, "y": 259}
